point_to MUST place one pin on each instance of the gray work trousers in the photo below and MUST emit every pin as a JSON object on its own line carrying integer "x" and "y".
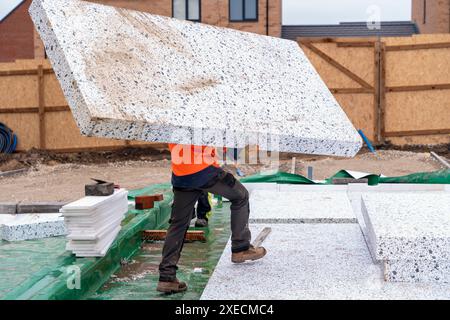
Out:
{"x": 184, "y": 201}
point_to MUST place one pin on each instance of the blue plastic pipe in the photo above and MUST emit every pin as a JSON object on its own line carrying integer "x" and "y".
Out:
{"x": 8, "y": 140}
{"x": 367, "y": 141}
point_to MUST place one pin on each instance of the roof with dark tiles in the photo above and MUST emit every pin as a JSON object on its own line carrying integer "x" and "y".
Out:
{"x": 350, "y": 29}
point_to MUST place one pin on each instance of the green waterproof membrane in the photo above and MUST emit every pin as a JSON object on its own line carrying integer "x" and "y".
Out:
{"x": 57, "y": 278}
{"x": 138, "y": 279}
{"x": 20, "y": 260}
{"x": 435, "y": 177}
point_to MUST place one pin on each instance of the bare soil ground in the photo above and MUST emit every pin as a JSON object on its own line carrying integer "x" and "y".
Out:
{"x": 61, "y": 177}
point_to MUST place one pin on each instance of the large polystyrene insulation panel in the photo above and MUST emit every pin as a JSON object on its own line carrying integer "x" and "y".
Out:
{"x": 137, "y": 76}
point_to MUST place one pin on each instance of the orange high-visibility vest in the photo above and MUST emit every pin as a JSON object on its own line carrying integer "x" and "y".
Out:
{"x": 190, "y": 159}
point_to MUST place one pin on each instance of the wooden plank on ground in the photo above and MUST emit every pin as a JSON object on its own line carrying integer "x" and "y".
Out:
{"x": 261, "y": 237}
{"x": 159, "y": 235}
{"x": 156, "y": 145}
{"x": 440, "y": 159}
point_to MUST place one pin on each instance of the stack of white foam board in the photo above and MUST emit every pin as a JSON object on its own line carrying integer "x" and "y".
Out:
{"x": 94, "y": 222}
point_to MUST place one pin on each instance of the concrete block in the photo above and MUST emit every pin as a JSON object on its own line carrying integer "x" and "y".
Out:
{"x": 309, "y": 262}
{"x": 408, "y": 225}
{"x": 300, "y": 207}
{"x": 32, "y": 226}
{"x": 39, "y": 207}
{"x": 8, "y": 207}
{"x": 137, "y": 76}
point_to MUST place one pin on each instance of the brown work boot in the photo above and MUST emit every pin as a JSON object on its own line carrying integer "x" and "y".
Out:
{"x": 171, "y": 286}
{"x": 251, "y": 254}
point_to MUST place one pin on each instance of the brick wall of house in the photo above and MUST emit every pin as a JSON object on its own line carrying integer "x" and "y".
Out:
{"x": 17, "y": 35}
{"x": 216, "y": 12}
{"x": 20, "y": 41}
{"x": 161, "y": 7}
{"x": 432, "y": 16}
{"x": 213, "y": 12}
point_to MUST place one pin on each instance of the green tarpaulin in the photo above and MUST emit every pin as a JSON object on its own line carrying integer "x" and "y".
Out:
{"x": 436, "y": 177}
{"x": 278, "y": 177}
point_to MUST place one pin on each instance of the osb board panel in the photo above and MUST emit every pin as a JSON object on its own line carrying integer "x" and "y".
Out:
{"x": 418, "y": 140}
{"x": 18, "y": 92}
{"x": 330, "y": 75}
{"x": 62, "y": 133}
{"x": 420, "y": 110}
{"x": 418, "y": 67}
{"x": 53, "y": 95}
{"x": 25, "y": 126}
{"x": 360, "y": 109}
{"x": 358, "y": 60}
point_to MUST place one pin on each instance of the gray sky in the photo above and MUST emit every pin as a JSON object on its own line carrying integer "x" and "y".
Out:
{"x": 6, "y": 6}
{"x": 335, "y": 11}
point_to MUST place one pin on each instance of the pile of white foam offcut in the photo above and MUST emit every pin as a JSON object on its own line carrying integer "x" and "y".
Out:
{"x": 93, "y": 223}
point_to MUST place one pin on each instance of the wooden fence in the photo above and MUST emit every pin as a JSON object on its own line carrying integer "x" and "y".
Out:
{"x": 33, "y": 105}
{"x": 394, "y": 89}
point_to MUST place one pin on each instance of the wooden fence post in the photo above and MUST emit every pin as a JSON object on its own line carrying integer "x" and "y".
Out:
{"x": 376, "y": 94}
{"x": 41, "y": 106}
{"x": 382, "y": 92}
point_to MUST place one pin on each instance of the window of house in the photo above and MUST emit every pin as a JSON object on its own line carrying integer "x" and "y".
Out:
{"x": 243, "y": 10}
{"x": 186, "y": 9}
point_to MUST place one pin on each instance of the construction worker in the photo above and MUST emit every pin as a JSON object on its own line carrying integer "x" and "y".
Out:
{"x": 203, "y": 210}
{"x": 195, "y": 170}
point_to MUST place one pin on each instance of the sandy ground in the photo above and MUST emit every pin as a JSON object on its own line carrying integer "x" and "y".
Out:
{"x": 65, "y": 182}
